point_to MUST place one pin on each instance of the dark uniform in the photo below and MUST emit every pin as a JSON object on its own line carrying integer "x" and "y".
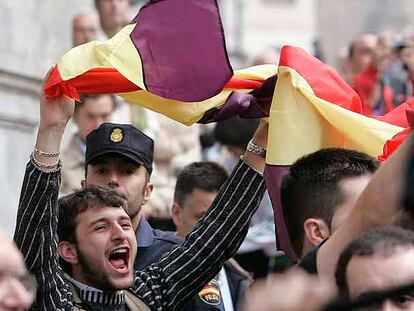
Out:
{"x": 153, "y": 243}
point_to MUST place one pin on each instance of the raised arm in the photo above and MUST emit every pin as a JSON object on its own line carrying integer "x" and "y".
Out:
{"x": 217, "y": 236}
{"x": 36, "y": 228}
{"x": 378, "y": 205}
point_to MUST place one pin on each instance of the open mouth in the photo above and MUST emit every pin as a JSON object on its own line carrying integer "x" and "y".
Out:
{"x": 119, "y": 259}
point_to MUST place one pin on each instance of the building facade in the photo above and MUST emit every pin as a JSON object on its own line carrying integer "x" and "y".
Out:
{"x": 35, "y": 34}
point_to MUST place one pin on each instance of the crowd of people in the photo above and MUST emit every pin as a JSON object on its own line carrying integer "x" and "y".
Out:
{"x": 380, "y": 68}
{"x": 138, "y": 212}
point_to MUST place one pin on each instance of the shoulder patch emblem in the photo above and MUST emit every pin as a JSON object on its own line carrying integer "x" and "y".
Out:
{"x": 116, "y": 135}
{"x": 210, "y": 293}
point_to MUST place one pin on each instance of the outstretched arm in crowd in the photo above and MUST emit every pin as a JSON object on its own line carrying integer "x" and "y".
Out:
{"x": 216, "y": 237}
{"x": 35, "y": 232}
{"x": 378, "y": 205}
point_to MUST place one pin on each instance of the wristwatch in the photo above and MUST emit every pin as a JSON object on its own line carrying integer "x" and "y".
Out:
{"x": 256, "y": 149}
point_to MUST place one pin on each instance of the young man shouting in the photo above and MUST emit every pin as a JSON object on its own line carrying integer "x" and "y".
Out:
{"x": 100, "y": 250}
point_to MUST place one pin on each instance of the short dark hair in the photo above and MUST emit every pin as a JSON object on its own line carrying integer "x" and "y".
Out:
{"x": 235, "y": 131}
{"x": 366, "y": 245}
{"x": 208, "y": 176}
{"x": 311, "y": 187}
{"x": 85, "y": 97}
{"x": 71, "y": 205}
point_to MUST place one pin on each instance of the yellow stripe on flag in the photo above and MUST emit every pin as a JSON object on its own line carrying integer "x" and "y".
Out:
{"x": 118, "y": 52}
{"x": 184, "y": 112}
{"x": 189, "y": 113}
{"x": 301, "y": 123}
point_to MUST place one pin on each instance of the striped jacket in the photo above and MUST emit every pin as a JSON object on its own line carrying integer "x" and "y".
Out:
{"x": 165, "y": 285}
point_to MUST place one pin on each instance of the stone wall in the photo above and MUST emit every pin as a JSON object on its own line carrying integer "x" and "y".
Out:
{"x": 35, "y": 34}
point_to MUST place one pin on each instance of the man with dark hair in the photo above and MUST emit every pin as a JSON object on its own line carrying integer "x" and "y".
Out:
{"x": 378, "y": 205}
{"x": 90, "y": 112}
{"x": 74, "y": 204}
{"x": 319, "y": 191}
{"x": 106, "y": 233}
{"x": 381, "y": 259}
{"x": 196, "y": 188}
{"x": 103, "y": 212}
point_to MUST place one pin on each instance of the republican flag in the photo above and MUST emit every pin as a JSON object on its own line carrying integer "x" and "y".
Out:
{"x": 171, "y": 59}
{"x": 313, "y": 108}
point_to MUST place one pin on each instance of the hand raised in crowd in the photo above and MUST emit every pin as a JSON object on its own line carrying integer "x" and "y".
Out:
{"x": 259, "y": 139}
{"x": 55, "y": 111}
{"x": 292, "y": 291}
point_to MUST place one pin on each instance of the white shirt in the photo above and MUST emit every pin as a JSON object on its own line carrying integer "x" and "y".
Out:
{"x": 225, "y": 290}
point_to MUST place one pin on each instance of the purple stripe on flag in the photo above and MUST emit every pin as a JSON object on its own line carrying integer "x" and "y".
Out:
{"x": 241, "y": 104}
{"x": 273, "y": 178}
{"x": 182, "y": 47}
{"x": 253, "y": 105}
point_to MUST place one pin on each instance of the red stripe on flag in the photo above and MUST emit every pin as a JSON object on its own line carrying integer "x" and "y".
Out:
{"x": 324, "y": 80}
{"x": 240, "y": 84}
{"x": 402, "y": 116}
{"x": 392, "y": 144}
{"x": 102, "y": 81}
{"x": 109, "y": 80}
{"x": 399, "y": 116}
{"x": 94, "y": 81}
{"x": 55, "y": 86}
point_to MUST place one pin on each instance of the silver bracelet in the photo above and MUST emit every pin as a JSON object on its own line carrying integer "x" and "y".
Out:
{"x": 46, "y": 154}
{"x": 43, "y": 165}
{"x": 256, "y": 149}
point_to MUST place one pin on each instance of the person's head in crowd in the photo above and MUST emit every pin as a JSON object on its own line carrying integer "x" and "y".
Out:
{"x": 235, "y": 133}
{"x": 97, "y": 244}
{"x": 92, "y": 111}
{"x": 84, "y": 28}
{"x": 17, "y": 286}
{"x": 320, "y": 190}
{"x": 381, "y": 259}
{"x": 120, "y": 156}
{"x": 196, "y": 188}
{"x": 404, "y": 51}
{"x": 383, "y": 54}
{"x": 362, "y": 52}
{"x": 113, "y": 14}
